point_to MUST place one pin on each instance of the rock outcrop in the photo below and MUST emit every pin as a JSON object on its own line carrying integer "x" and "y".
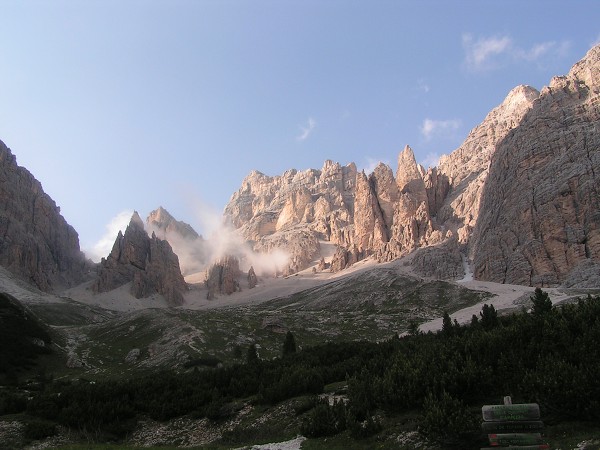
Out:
{"x": 36, "y": 243}
{"x": 540, "y": 208}
{"x": 442, "y": 262}
{"x": 295, "y": 210}
{"x": 252, "y": 278}
{"x": 148, "y": 263}
{"x": 188, "y": 245}
{"x": 222, "y": 277}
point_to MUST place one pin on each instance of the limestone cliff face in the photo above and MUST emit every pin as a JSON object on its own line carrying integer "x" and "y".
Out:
{"x": 268, "y": 210}
{"x": 370, "y": 231}
{"x": 540, "y": 208}
{"x": 147, "y": 262}
{"x": 411, "y": 225}
{"x": 465, "y": 170}
{"x": 36, "y": 243}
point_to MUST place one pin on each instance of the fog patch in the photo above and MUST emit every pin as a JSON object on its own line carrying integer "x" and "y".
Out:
{"x": 103, "y": 247}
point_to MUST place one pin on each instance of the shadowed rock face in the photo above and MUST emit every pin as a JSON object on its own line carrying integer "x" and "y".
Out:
{"x": 147, "y": 262}
{"x": 540, "y": 209}
{"x": 222, "y": 277}
{"x": 36, "y": 243}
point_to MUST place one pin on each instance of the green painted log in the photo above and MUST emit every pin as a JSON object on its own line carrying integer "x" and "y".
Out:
{"x": 503, "y": 413}
{"x": 504, "y": 439}
{"x": 512, "y": 426}
{"x": 521, "y": 447}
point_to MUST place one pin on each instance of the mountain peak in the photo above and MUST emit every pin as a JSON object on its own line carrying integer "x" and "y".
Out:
{"x": 588, "y": 68}
{"x": 522, "y": 95}
{"x": 136, "y": 220}
{"x": 160, "y": 216}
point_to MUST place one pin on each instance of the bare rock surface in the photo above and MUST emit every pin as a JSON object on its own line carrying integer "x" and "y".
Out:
{"x": 540, "y": 208}
{"x": 442, "y": 262}
{"x": 36, "y": 243}
{"x": 268, "y": 210}
{"x": 466, "y": 169}
{"x": 148, "y": 263}
{"x": 586, "y": 274}
{"x": 222, "y": 277}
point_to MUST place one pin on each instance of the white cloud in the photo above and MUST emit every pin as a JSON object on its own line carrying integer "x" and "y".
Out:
{"x": 431, "y": 128}
{"x": 487, "y": 53}
{"x": 307, "y": 130}
{"x": 538, "y": 51}
{"x": 479, "y": 52}
{"x": 223, "y": 239}
{"x": 102, "y": 248}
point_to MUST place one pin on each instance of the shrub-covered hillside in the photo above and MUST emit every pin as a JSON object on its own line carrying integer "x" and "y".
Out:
{"x": 550, "y": 356}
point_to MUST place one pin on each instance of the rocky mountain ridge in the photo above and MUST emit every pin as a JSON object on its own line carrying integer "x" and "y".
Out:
{"x": 518, "y": 199}
{"x": 452, "y": 209}
{"x": 148, "y": 263}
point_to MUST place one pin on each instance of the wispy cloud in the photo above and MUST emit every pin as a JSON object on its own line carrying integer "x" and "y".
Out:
{"x": 422, "y": 85}
{"x": 431, "y": 127}
{"x": 486, "y": 53}
{"x": 102, "y": 248}
{"x": 306, "y": 130}
{"x": 478, "y": 53}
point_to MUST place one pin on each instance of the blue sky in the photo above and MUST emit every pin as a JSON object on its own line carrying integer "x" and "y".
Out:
{"x": 123, "y": 105}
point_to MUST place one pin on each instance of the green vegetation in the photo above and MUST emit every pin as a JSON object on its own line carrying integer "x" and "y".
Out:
{"x": 22, "y": 339}
{"x": 434, "y": 382}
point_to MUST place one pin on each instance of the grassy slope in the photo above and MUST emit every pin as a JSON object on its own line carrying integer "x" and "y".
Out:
{"x": 372, "y": 306}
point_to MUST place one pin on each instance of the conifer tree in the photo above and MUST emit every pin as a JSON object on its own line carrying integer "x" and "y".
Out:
{"x": 289, "y": 345}
{"x": 541, "y": 302}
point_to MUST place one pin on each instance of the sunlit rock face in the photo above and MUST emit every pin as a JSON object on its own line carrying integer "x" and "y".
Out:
{"x": 36, "y": 243}
{"x": 147, "y": 262}
{"x": 519, "y": 197}
{"x": 295, "y": 210}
